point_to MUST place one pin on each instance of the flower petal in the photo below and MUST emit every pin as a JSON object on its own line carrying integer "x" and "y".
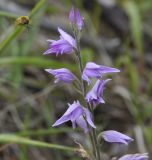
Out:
{"x": 72, "y": 107}
{"x": 69, "y": 114}
{"x": 62, "y": 74}
{"x": 76, "y": 18}
{"x": 63, "y": 119}
{"x": 67, "y": 37}
{"x": 60, "y": 46}
{"x": 95, "y": 95}
{"x": 82, "y": 124}
{"x": 138, "y": 156}
{"x": 89, "y": 118}
{"x": 116, "y": 137}
{"x": 94, "y": 70}
{"x": 76, "y": 114}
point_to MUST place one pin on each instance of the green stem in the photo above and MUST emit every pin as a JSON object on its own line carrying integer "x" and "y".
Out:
{"x": 38, "y": 6}
{"x": 92, "y": 135}
{"x": 36, "y": 61}
{"x": 96, "y": 143}
{"x": 81, "y": 70}
{"x": 84, "y": 93}
{"x": 8, "y": 39}
{"x": 8, "y": 14}
{"x": 11, "y": 138}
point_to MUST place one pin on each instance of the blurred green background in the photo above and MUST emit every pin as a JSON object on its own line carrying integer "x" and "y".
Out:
{"x": 117, "y": 33}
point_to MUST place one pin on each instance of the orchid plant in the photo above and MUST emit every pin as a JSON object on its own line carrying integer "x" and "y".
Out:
{"x": 82, "y": 115}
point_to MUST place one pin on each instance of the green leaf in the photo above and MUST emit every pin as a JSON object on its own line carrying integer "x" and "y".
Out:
{"x": 8, "y": 14}
{"x": 135, "y": 24}
{"x": 37, "y": 61}
{"x": 11, "y": 138}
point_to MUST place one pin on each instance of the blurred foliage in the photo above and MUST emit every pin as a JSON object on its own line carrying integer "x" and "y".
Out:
{"x": 118, "y": 35}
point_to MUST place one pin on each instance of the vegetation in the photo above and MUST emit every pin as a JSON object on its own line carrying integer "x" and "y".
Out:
{"x": 117, "y": 35}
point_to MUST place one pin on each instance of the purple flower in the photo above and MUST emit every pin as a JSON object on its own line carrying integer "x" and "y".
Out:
{"x": 95, "y": 95}
{"x": 94, "y": 70}
{"x": 116, "y": 137}
{"x": 76, "y": 18}
{"x": 65, "y": 45}
{"x": 62, "y": 74}
{"x": 137, "y": 156}
{"x": 76, "y": 114}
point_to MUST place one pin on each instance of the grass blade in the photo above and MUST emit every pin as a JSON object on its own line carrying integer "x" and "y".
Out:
{"x": 37, "y": 61}
{"x": 10, "y": 138}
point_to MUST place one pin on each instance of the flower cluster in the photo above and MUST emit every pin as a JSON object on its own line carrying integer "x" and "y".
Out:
{"x": 79, "y": 115}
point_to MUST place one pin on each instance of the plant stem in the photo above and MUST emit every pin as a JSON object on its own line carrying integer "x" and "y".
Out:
{"x": 84, "y": 93}
{"x": 8, "y": 14}
{"x": 96, "y": 143}
{"x": 92, "y": 135}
